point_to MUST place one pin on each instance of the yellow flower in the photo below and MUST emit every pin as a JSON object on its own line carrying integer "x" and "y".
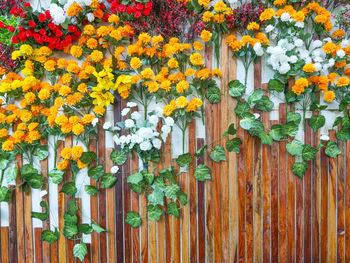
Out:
{"x": 172, "y": 63}
{"x": 299, "y": 86}
{"x": 165, "y": 85}
{"x": 329, "y": 96}
{"x": 96, "y": 56}
{"x": 66, "y": 153}
{"x": 50, "y": 65}
{"x": 15, "y": 54}
{"x": 217, "y": 72}
{"x": 299, "y": 16}
{"x": 8, "y": 145}
{"x": 343, "y": 81}
{"x": 89, "y": 30}
{"x": 123, "y": 84}
{"x": 91, "y": 43}
{"x": 65, "y": 79}
{"x": 267, "y": 14}
{"x": 62, "y": 63}
{"x": 194, "y": 104}
{"x": 144, "y": 38}
{"x": 329, "y": 47}
{"x": 99, "y": 110}
{"x": 135, "y": 63}
{"x": 168, "y": 109}
{"x": 338, "y": 33}
{"x": 157, "y": 39}
{"x": 147, "y": 73}
{"x": 152, "y": 86}
{"x": 182, "y": 86}
{"x": 76, "y": 51}
{"x": 279, "y": 2}
{"x": 77, "y": 151}
{"x": 62, "y": 165}
{"x": 197, "y": 45}
{"x": 207, "y": 16}
{"x": 74, "y": 9}
{"x": 189, "y": 72}
{"x": 26, "y": 50}
{"x": 181, "y": 102}
{"x": 253, "y": 26}
{"x": 206, "y": 35}
{"x": 196, "y": 59}
{"x": 113, "y": 19}
{"x": 3, "y": 133}
{"x": 309, "y": 68}
{"x": 204, "y": 3}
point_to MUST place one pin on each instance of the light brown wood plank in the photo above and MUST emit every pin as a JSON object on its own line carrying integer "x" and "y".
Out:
{"x": 4, "y": 244}
{"x": 241, "y": 195}
{"x": 324, "y": 206}
{"x": 347, "y": 204}
{"x": 20, "y": 216}
{"x": 332, "y": 221}
{"x": 38, "y": 246}
{"x": 341, "y": 204}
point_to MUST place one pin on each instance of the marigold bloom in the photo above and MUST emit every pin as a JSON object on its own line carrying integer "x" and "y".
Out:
{"x": 206, "y": 35}
{"x": 309, "y": 68}
{"x": 329, "y": 48}
{"x": 196, "y": 59}
{"x": 182, "y": 86}
{"x": 76, "y": 51}
{"x": 135, "y": 63}
{"x": 66, "y": 153}
{"x": 253, "y": 26}
{"x": 194, "y": 104}
{"x": 343, "y": 81}
{"x": 207, "y": 16}
{"x": 267, "y": 14}
{"x": 96, "y": 56}
{"x": 172, "y": 63}
{"x": 329, "y": 96}
{"x": 181, "y": 102}
{"x": 8, "y": 145}
{"x": 77, "y": 151}
{"x": 338, "y": 33}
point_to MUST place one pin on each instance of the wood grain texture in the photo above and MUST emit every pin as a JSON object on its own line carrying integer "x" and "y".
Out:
{"x": 4, "y": 240}
{"x": 135, "y": 208}
{"x": 341, "y": 203}
{"x": 347, "y": 204}
{"x": 20, "y": 223}
{"x": 248, "y": 154}
{"x": 12, "y": 238}
{"x": 241, "y": 196}
{"x": 324, "y": 207}
{"x": 38, "y": 246}
{"x": 332, "y": 212}
{"x": 185, "y": 219}
{"x": 176, "y": 237}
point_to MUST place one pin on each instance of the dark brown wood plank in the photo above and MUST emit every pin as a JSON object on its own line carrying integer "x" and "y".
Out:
{"x": 38, "y": 246}
{"x": 347, "y": 204}
{"x": 94, "y": 211}
{"x": 201, "y": 210}
{"x": 20, "y": 216}
{"x": 341, "y": 204}
{"x": 176, "y": 242}
{"x": 135, "y": 208}
{"x": 12, "y": 239}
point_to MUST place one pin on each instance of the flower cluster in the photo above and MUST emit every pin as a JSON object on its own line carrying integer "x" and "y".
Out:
{"x": 71, "y": 155}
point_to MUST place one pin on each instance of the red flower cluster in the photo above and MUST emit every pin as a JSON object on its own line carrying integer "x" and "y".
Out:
{"x": 7, "y": 5}
{"x": 39, "y": 29}
{"x": 5, "y": 58}
{"x": 134, "y": 9}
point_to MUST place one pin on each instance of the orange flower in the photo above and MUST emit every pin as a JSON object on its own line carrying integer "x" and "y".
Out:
{"x": 329, "y": 96}
{"x": 267, "y": 14}
{"x": 309, "y": 68}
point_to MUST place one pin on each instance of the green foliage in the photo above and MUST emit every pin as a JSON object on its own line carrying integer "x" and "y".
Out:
{"x": 133, "y": 219}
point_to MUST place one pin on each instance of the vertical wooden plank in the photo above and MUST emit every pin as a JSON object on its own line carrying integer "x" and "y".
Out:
{"x": 201, "y": 210}
{"x": 282, "y": 191}
{"x": 248, "y": 153}
{"x": 38, "y": 246}
{"x": 257, "y": 184}
{"x": 209, "y": 184}
{"x": 94, "y": 211}
{"x": 266, "y": 177}
{"x": 176, "y": 255}
{"x": 144, "y": 228}
{"x": 332, "y": 213}
{"x": 5, "y": 244}
{"x": 324, "y": 206}
{"x": 347, "y": 204}
{"x": 102, "y": 193}
{"x": 110, "y": 213}
{"x": 341, "y": 205}
{"x": 12, "y": 239}
{"x": 152, "y": 231}
{"x": 119, "y": 194}
{"x": 241, "y": 195}
{"x": 274, "y": 200}
{"x": 135, "y": 208}
{"x": 192, "y": 192}
{"x": 232, "y": 169}
{"x": 316, "y": 201}
{"x": 20, "y": 216}
{"x": 184, "y": 222}
{"x": 306, "y": 224}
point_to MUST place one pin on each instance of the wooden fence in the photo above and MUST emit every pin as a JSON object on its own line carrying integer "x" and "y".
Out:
{"x": 253, "y": 210}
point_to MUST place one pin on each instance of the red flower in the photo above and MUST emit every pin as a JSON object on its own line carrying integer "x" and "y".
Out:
{"x": 72, "y": 29}
{"x": 102, "y": 6}
{"x": 2, "y": 25}
{"x": 146, "y": 12}
{"x": 138, "y": 14}
{"x": 68, "y": 39}
{"x": 52, "y": 26}
{"x": 11, "y": 28}
{"x": 59, "y": 33}
{"x": 29, "y": 33}
{"x": 15, "y": 39}
{"x": 45, "y": 38}
{"x": 121, "y": 8}
{"x": 47, "y": 13}
{"x": 139, "y": 6}
{"x": 26, "y": 4}
{"x": 42, "y": 31}
{"x": 42, "y": 17}
{"x": 149, "y": 5}
{"x": 31, "y": 23}
{"x": 128, "y": 9}
{"x": 21, "y": 28}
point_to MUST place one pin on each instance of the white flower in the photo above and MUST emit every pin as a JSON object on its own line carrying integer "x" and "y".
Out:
{"x": 256, "y": 115}
{"x": 153, "y": 119}
{"x": 114, "y": 169}
{"x": 90, "y": 17}
{"x": 299, "y": 43}
{"x": 318, "y": 59}
{"x": 285, "y": 67}
{"x": 131, "y": 104}
{"x": 340, "y": 53}
{"x": 285, "y": 17}
{"x": 269, "y": 28}
{"x": 331, "y": 62}
{"x": 324, "y": 137}
{"x": 135, "y": 115}
{"x": 258, "y": 49}
{"x": 318, "y": 66}
{"x": 129, "y": 123}
{"x": 145, "y": 132}
{"x": 94, "y": 121}
{"x": 157, "y": 143}
{"x": 345, "y": 43}
{"x": 145, "y": 146}
{"x": 159, "y": 111}
{"x": 316, "y": 44}
{"x": 43, "y": 193}
{"x": 169, "y": 121}
{"x": 299, "y": 24}
{"x": 74, "y": 20}
{"x": 166, "y": 129}
{"x": 125, "y": 111}
{"x": 57, "y": 14}
{"x": 293, "y": 59}
{"x": 116, "y": 140}
{"x": 107, "y": 125}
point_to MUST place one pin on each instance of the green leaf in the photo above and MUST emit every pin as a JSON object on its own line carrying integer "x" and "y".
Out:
{"x": 295, "y": 147}
{"x": 182, "y": 197}
{"x": 231, "y": 130}
{"x": 213, "y": 95}
{"x": 79, "y": 251}
{"x": 199, "y": 153}
{"x": 276, "y": 132}
{"x": 69, "y": 189}
{"x": 11, "y": 173}
{"x": 202, "y": 173}
{"x": 242, "y": 108}
{"x": 148, "y": 177}
{"x": 184, "y": 159}
{"x": 154, "y": 212}
{"x": 293, "y": 117}
{"x": 247, "y": 122}
{"x": 90, "y": 189}
{"x": 133, "y": 219}
{"x": 42, "y": 152}
{"x": 316, "y": 122}
{"x": 5, "y": 194}
{"x": 44, "y": 215}
{"x": 72, "y": 208}
{"x": 56, "y": 175}
{"x": 236, "y": 89}
{"x": 265, "y": 138}
{"x": 108, "y": 180}
{"x": 233, "y": 145}
{"x": 96, "y": 172}
{"x": 309, "y": 153}
{"x": 28, "y": 169}
{"x": 173, "y": 210}
{"x": 49, "y": 236}
{"x": 135, "y": 178}
{"x": 97, "y": 228}
{"x": 343, "y": 135}
{"x": 171, "y": 191}
{"x": 218, "y": 154}
{"x": 254, "y": 97}
{"x": 84, "y": 229}
{"x": 275, "y": 84}
{"x": 256, "y": 128}
{"x": 265, "y": 104}
{"x": 290, "y": 128}
{"x": 70, "y": 230}
{"x": 35, "y": 181}
{"x": 119, "y": 157}
{"x": 3, "y": 164}
{"x": 300, "y": 168}
{"x": 332, "y": 149}
{"x": 156, "y": 197}
{"x": 87, "y": 157}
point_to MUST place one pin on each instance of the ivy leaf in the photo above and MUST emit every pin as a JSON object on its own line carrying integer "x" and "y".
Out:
{"x": 343, "y": 135}
{"x": 332, "y": 149}
{"x": 42, "y": 216}
{"x": 3, "y": 164}
{"x": 84, "y": 229}
{"x": 275, "y": 84}
{"x": 41, "y": 152}
{"x": 218, "y": 154}
{"x": 300, "y": 168}
{"x": 202, "y": 172}
{"x": 156, "y": 197}
{"x": 108, "y": 180}
{"x": 233, "y": 145}
{"x": 96, "y": 172}
{"x": 35, "y": 181}
{"x": 265, "y": 104}
{"x": 309, "y": 153}
{"x": 254, "y": 97}
{"x": 173, "y": 210}
{"x": 69, "y": 189}
{"x": 276, "y": 132}
{"x": 230, "y": 130}
{"x": 79, "y": 251}
{"x": 87, "y": 157}
{"x": 293, "y": 117}
{"x": 154, "y": 212}
{"x": 290, "y": 128}
{"x": 49, "y": 236}
{"x": 183, "y": 197}
{"x": 72, "y": 208}
{"x": 265, "y": 138}
{"x": 5, "y": 194}
{"x": 135, "y": 178}
{"x": 133, "y": 219}
{"x": 201, "y": 151}
{"x": 171, "y": 191}
{"x": 247, "y": 122}
{"x": 236, "y": 89}
{"x": 97, "y": 228}
{"x": 90, "y": 189}
{"x": 257, "y": 128}
{"x": 11, "y": 173}
{"x": 242, "y": 108}
{"x": 28, "y": 169}
{"x": 70, "y": 230}
{"x": 213, "y": 95}
{"x": 119, "y": 157}
{"x": 184, "y": 159}
{"x": 148, "y": 177}
{"x": 316, "y": 122}
{"x": 295, "y": 147}
{"x": 56, "y": 176}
